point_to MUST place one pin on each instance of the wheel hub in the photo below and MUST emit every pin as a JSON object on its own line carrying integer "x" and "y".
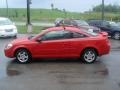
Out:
{"x": 89, "y": 56}
{"x": 22, "y": 56}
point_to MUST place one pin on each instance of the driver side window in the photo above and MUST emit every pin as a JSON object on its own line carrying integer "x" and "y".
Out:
{"x": 55, "y": 35}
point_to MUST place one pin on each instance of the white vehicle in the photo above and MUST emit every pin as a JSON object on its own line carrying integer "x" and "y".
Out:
{"x": 7, "y": 28}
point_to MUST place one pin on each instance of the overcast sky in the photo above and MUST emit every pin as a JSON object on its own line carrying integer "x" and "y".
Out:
{"x": 69, "y": 5}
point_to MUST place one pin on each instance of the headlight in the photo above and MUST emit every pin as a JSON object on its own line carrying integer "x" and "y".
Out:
{"x": 8, "y": 46}
{"x": 15, "y": 28}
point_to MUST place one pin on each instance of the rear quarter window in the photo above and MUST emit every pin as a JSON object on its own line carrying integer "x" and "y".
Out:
{"x": 90, "y": 33}
{"x": 78, "y": 35}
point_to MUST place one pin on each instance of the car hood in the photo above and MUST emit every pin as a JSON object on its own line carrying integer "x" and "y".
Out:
{"x": 19, "y": 41}
{"x": 7, "y": 27}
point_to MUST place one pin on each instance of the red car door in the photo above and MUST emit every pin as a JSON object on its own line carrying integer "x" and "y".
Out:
{"x": 50, "y": 48}
{"x": 60, "y": 44}
{"x": 53, "y": 44}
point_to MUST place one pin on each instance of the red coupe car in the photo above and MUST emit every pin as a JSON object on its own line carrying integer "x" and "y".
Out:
{"x": 60, "y": 42}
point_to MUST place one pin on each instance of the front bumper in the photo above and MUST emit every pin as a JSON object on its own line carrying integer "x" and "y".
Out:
{"x": 9, "y": 53}
{"x": 8, "y": 34}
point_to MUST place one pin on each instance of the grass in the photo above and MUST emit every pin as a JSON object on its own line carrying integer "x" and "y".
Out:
{"x": 19, "y": 14}
{"x": 35, "y": 29}
{"x": 48, "y": 15}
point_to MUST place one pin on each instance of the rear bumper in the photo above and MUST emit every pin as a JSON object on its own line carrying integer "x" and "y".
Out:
{"x": 105, "y": 50}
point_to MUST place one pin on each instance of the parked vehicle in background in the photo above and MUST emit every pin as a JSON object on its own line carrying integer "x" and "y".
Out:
{"x": 7, "y": 28}
{"x": 83, "y": 24}
{"x": 58, "y": 21}
{"x": 60, "y": 42}
{"x": 118, "y": 23}
{"x": 112, "y": 28}
{"x": 77, "y": 23}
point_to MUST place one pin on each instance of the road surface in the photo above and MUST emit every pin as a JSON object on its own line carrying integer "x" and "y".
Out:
{"x": 61, "y": 74}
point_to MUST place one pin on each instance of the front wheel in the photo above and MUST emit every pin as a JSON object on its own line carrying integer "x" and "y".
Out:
{"x": 23, "y": 56}
{"x": 116, "y": 35}
{"x": 89, "y": 56}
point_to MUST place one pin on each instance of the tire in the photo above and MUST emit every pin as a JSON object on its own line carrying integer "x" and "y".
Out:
{"x": 116, "y": 36}
{"x": 15, "y": 36}
{"x": 89, "y": 56}
{"x": 23, "y": 56}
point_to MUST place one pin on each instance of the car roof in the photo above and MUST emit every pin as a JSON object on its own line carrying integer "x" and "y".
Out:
{"x": 97, "y": 20}
{"x": 3, "y": 18}
{"x": 70, "y": 28}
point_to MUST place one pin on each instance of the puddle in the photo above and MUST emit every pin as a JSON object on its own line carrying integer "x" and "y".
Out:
{"x": 13, "y": 72}
{"x": 2, "y": 74}
{"x": 102, "y": 72}
{"x": 119, "y": 84}
{"x": 80, "y": 82}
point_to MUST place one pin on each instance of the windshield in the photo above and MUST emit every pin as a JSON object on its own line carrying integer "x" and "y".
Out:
{"x": 5, "y": 22}
{"x": 82, "y": 22}
{"x": 114, "y": 24}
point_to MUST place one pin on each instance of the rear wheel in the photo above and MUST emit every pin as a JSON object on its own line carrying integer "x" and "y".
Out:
{"x": 89, "y": 56}
{"x": 116, "y": 35}
{"x": 23, "y": 56}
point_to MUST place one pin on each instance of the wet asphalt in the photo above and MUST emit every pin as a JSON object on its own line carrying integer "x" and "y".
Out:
{"x": 61, "y": 74}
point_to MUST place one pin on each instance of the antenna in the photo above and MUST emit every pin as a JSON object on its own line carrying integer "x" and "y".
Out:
{"x": 63, "y": 25}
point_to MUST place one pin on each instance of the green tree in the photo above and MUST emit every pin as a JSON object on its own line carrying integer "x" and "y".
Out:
{"x": 107, "y": 8}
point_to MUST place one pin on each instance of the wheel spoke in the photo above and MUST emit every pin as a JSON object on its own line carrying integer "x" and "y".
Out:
{"x": 22, "y": 56}
{"x": 89, "y": 56}
{"x": 117, "y": 36}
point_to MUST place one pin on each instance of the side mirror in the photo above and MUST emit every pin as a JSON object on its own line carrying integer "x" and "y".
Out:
{"x": 39, "y": 40}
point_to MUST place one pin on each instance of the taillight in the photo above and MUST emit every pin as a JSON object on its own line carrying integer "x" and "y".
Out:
{"x": 105, "y": 34}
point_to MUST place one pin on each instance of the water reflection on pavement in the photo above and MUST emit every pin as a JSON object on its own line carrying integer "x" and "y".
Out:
{"x": 61, "y": 74}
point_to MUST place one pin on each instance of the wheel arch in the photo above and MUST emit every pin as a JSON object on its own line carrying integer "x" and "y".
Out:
{"x": 15, "y": 51}
{"x": 95, "y": 49}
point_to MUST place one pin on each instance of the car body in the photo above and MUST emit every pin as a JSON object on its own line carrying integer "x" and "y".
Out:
{"x": 58, "y": 21}
{"x": 59, "y": 42}
{"x": 7, "y": 28}
{"x": 110, "y": 27}
{"x": 83, "y": 24}
{"x": 76, "y": 22}
{"x": 118, "y": 23}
